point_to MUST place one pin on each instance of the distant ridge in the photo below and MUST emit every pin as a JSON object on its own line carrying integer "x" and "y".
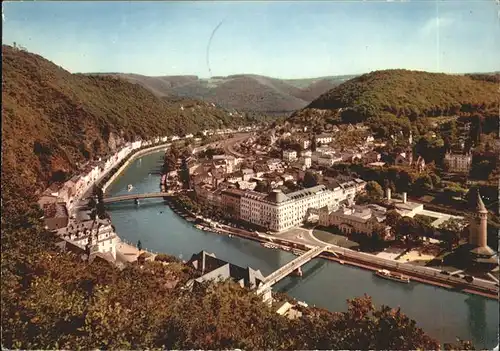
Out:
{"x": 243, "y": 92}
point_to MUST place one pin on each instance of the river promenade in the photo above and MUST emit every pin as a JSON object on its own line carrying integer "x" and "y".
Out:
{"x": 362, "y": 260}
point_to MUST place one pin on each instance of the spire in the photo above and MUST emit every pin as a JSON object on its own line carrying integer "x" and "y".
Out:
{"x": 480, "y": 204}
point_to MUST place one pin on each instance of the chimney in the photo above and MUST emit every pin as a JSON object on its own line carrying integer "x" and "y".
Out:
{"x": 388, "y": 191}
{"x": 404, "y": 198}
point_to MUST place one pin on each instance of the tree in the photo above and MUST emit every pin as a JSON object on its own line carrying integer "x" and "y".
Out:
{"x": 482, "y": 169}
{"x": 98, "y": 193}
{"x": 392, "y": 217}
{"x": 184, "y": 174}
{"x": 451, "y": 232}
{"x": 314, "y": 143}
{"x": 406, "y": 227}
{"x": 92, "y": 203}
{"x": 378, "y": 233}
{"x": 139, "y": 245}
{"x": 423, "y": 184}
{"x": 310, "y": 180}
{"x": 291, "y": 185}
{"x": 374, "y": 190}
{"x": 263, "y": 187}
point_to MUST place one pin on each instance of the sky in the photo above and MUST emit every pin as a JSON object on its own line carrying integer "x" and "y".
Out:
{"x": 282, "y": 39}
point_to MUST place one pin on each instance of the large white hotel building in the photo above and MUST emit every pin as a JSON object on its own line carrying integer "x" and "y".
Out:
{"x": 278, "y": 211}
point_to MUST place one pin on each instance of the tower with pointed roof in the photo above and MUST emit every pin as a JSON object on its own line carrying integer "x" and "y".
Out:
{"x": 478, "y": 227}
{"x": 480, "y": 251}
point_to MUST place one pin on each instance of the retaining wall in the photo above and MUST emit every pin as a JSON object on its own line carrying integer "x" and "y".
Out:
{"x": 131, "y": 159}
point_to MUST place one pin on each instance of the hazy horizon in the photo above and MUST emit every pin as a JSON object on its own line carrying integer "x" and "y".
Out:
{"x": 284, "y": 40}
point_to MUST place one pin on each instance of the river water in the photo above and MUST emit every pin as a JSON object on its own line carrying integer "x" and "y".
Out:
{"x": 443, "y": 314}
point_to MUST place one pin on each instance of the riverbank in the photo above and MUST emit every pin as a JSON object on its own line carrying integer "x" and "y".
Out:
{"x": 131, "y": 159}
{"x": 345, "y": 256}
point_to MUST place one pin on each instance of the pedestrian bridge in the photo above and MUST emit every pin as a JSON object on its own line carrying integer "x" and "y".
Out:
{"x": 108, "y": 200}
{"x": 288, "y": 268}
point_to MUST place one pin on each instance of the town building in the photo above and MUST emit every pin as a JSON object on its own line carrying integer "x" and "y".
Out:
{"x": 305, "y": 143}
{"x": 371, "y": 157}
{"x": 97, "y": 234}
{"x": 274, "y": 164}
{"x": 214, "y": 269}
{"x": 324, "y": 139}
{"x": 306, "y": 153}
{"x": 231, "y": 199}
{"x": 277, "y": 211}
{"x": 458, "y": 163}
{"x": 289, "y": 155}
{"x": 355, "y": 219}
{"x": 411, "y": 209}
{"x": 404, "y": 158}
{"x": 247, "y": 173}
{"x": 306, "y": 161}
{"x": 328, "y": 160}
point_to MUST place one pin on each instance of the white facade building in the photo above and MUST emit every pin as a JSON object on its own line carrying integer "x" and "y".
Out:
{"x": 324, "y": 139}
{"x": 289, "y": 155}
{"x": 99, "y": 235}
{"x": 459, "y": 163}
{"x": 277, "y": 211}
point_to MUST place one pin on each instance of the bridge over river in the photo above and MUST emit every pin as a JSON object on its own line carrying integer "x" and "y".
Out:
{"x": 265, "y": 287}
{"x": 135, "y": 197}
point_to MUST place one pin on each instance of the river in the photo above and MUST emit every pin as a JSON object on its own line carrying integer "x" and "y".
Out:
{"x": 443, "y": 314}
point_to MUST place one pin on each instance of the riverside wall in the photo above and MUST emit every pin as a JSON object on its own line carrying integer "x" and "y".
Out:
{"x": 140, "y": 153}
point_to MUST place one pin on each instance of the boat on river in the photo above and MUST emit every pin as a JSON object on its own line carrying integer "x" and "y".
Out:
{"x": 130, "y": 187}
{"x": 384, "y": 273}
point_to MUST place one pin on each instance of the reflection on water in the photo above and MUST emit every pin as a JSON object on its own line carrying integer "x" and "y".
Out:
{"x": 309, "y": 270}
{"x": 441, "y": 313}
{"x": 477, "y": 318}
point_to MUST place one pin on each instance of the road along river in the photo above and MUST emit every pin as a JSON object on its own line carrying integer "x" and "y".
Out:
{"x": 441, "y": 313}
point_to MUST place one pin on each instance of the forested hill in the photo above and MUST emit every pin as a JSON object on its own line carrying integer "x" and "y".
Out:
{"x": 53, "y": 119}
{"x": 404, "y": 93}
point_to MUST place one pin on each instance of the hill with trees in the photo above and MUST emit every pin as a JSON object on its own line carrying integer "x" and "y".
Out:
{"x": 242, "y": 92}
{"x": 404, "y": 95}
{"x": 53, "y": 119}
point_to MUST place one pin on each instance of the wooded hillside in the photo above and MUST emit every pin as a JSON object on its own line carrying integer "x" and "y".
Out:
{"x": 53, "y": 119}
{"x": 404, "y": 93}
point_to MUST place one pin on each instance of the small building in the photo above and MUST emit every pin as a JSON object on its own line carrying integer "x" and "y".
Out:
{"x": 305, "y": 143}
{"x": 404, "y": 158}
{"x": 214, "y": 269}
{"x": 371, "y": 157}
{"x": 458, "y": 163}
{"x": 289, "y": 155}
{"x": 355, "y": 219}
{"x": 324, "y": 139}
